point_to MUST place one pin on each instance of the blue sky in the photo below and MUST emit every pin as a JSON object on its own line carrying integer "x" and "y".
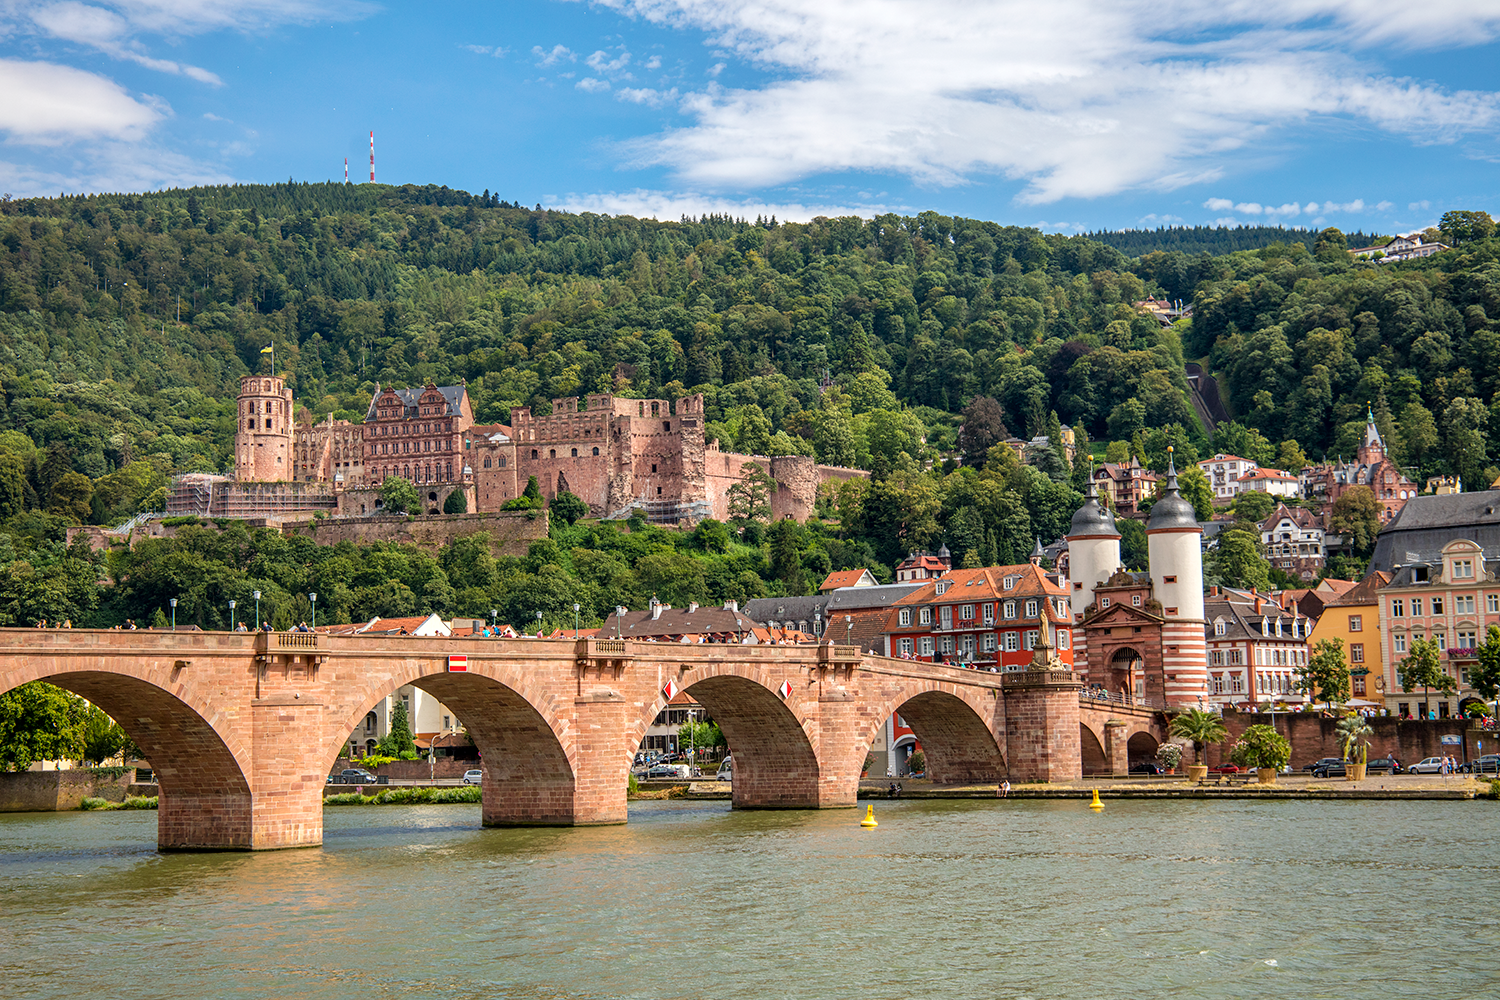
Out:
{"x": 1070, "y": 114}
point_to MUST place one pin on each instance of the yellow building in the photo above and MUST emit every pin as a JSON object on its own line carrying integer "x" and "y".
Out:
{"x": 1354, "y": 619}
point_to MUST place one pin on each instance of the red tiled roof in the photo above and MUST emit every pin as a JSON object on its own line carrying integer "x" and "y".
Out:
{"x": 842, "y": 578}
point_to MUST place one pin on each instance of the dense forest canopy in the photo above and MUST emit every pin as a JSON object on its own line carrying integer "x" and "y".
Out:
{"x": 126, "y": 321}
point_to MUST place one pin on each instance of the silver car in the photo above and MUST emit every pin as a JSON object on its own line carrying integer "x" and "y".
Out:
{"x": 1427, "y": 765}
{"x": 473, "y": 777}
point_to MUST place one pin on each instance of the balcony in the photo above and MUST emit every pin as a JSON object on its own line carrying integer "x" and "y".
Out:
{"x": 1462, "y": 653}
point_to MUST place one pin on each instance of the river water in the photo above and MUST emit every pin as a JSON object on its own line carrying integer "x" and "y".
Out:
{"x": 951, "y": 899}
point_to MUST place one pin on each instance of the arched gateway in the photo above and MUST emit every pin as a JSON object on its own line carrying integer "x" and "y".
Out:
{"x": 243, "y": 728}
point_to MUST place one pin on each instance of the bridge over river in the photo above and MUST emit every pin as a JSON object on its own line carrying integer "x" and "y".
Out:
{"x": 242, "y": 728}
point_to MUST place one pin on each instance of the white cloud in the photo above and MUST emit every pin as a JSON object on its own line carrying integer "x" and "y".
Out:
{"x": 109, "y": 33}
{"x": 111, "y": 167}
{"x": 592, "y": 85}
{"x": 1385, "y": 206}
{"x": 1218, "y": 204}
{"x": 549, "y": 57}
{"x": 1153, "y": 219}
{"x": 600, "y": 62}
{"x": 48, "y": 104}
{"x": 1419, "y": 206}
{"x": 646, "y": 95}
{"x": 1079, "y": 98}
{"x": 654, "y": 62}
{"x": 675, "y": 204}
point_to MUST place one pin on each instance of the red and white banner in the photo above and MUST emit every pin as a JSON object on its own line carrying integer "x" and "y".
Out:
{"x": 670, "y": 690}
{"x": 785, "y": 690}
{"x": 458, "y": 663}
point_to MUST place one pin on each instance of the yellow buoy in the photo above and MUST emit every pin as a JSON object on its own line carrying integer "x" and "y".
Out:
{"x": 869, "y": 821}
{"x": 1096, "y": 805}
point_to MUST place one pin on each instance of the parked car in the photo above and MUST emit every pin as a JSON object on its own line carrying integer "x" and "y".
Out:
{"x": 1427, "y": 765}
{"x": 667, "y": 772}
{"x": 1382, "y": 765}
{"x": 1320, "y": 763}
{"x": 726, "y": 770}
{"x": 1226, "y": 769}
{"x": 473, "y": 777}
{"x": 1488, "y": 764}
{"x": 1331, "y": 767}
{"x": 354, "y": 776}
{"x": 1147, "y": 767}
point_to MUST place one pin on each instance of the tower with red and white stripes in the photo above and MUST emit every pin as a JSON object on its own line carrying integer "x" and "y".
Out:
{"x": 372, "y": 156}
{"x": 1174, "y": 548}
{"x": 346, "y": 170}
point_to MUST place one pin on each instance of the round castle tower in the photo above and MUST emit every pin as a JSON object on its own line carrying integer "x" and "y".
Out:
{"x": 263, "y": 437}
{"x": 1173, "y": 542}
{"x": 1093, "y": 550}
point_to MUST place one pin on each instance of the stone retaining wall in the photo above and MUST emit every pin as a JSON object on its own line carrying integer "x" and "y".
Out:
{"x": 54, "y": 791}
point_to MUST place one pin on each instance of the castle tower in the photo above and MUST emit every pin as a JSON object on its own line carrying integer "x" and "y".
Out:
{"x": 263, "y": 437}
{"x": 1093, "y": 550}
{"x": 1372, "y": 448}
{"x": 1173, "y": 541}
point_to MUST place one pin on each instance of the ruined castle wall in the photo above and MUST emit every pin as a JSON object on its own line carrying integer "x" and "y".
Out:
{"x": 511, "y": 533}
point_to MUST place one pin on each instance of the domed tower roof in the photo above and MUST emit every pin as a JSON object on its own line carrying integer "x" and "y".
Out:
{"x": 1093, "y": 518}
{"x": 1172, "y": 510}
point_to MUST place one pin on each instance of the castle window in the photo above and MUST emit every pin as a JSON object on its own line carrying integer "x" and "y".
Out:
{"x": 656, "y": 409}
{"x": 533, "y": 453}
{"x": 551, "y": 452}
{"x": 666, "y": 425}
{"x": 596, "y": 451}
{"x": 502, "y": 461}
{"x": 653, "y": 467}
{"x": 575, "y": 453}
{"x": 486, "y": 463}
{"x": 269, "y": 424}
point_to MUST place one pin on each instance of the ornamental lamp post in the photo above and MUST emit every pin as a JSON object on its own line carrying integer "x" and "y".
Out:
{"x": 576, "y": 607}
{"x": 314, "y": 599}
{"x": 231, "y": 616}
{"x": 538, "y": 624}
{"x": 494, "y": 619}
{"x": 174, "y": 614}
{"x": 848, "y": 630}
{"x": 256, "y": 595}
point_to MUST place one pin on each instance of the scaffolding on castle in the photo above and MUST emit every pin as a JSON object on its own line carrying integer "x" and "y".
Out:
{"x": 192, "y": 493}
{"x": 665, "y": 511}
{"x": 220, "y": 496}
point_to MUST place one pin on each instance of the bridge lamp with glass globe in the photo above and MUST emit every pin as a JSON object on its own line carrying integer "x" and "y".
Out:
{"x": 174, "y": 614}
{"x": 231, "y": 616}
{"x": 256, "y": 595}
{"x": 538, "y": 624}
{"x": 314, "y": 599}
{"x": 576, "y": 607}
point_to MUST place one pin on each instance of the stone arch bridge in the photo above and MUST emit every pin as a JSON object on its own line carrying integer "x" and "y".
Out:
{"x": 242, "y": 728}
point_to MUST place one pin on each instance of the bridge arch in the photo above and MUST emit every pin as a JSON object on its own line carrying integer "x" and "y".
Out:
{"x": 1094, "y": 758}
{"x": 527, "y": 753}
{"x": 776, "y": 762}
{"x": 1141, "y": 747}
{"x": 955, "y": 724}
{"x": 201, "y": 763}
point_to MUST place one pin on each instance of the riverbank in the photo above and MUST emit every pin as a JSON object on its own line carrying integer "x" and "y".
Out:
{"x": 1288, "y": 786}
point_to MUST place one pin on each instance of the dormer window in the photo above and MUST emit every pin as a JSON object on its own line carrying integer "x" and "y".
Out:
{"x": 1463, "y": 569}
{"x": 1265, "y": 626}
{"x": 1218, "y": 626}
{"x": 905, "y": 616}
{"x": 1009, "y": 610}
{"x": 925, "y": 616}
{"x": 1031, "y": 609}
{"x": 1009, "y": 582}
{"x": 1278, "y": 628}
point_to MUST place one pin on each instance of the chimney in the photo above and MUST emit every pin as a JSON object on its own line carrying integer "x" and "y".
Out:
{"x": 1213, "y": 591}
{"x": 732, "y": 605}
{"x": 692, "y": 606}
{"x": 1257, "y": 603}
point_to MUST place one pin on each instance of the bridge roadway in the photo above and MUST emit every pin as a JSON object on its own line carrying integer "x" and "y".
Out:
{"x": 241, "y": 729}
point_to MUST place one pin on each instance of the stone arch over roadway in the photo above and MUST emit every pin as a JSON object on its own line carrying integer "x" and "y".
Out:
{"x": 196, "y": 749}
{"x": 528, "y": 752}
{"x": 1091, "y": 751}
{"x": 1141, "y": 746}
{"x": 777, "y": 764}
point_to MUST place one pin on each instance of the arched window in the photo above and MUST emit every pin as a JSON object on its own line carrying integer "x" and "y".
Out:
{"x": 575, "y": 453}
{"x": 596, "y": 451}
{"x": 486, "y": 463}
{"x": 551, "y": 452}
{"x": 533, "y": 453}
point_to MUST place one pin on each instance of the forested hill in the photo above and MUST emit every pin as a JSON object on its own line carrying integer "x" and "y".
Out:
{"x": 126, "y": 320}
{"x": 1211, "y": 239}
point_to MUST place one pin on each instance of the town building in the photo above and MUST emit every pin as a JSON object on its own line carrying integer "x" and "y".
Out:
{"x": 1353, "y": 618}
{"x": 1256, "y": 650}
{"x": 1271, "y": 481}
{"x": 841, "y": 578}
{"x": 1451, "y": 600}
{"x": 1409, "y": 247}
{"x": 1224, "y": 472}
{"x": 1427, "y": 523}
{"x": 852, "y": 616}
{"x": 983, "y": 618}
{"x": 1370, "y": 468}
{"x": 924, "y": 565}
{"x": 1125, "y": 485}
{"x": 1293, "y": 540}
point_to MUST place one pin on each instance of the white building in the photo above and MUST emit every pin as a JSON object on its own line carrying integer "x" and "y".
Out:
{"x": 1293, "y": 538}
{"x": 1272, "y": 481}
{"x": 1224, "y": 474}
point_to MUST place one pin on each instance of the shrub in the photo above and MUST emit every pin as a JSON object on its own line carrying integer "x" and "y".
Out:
{"x": 91, "y": 803}
{"x": 917, "y": 762}
{"x": 1262, "y": 746}
{"x": 1170, "y": 755}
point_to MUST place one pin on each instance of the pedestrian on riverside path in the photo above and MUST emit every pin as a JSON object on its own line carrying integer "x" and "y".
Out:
{"x": 1004, "y": 789}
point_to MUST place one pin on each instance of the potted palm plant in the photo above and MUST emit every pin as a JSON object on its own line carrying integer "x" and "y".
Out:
{"x": 1352, "y": 730}
{"x": 1200, "y": 728}
{"x": 1264, "y": 749}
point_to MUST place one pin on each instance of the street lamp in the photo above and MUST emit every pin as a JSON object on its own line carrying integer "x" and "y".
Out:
{"x": 576, "y": 606}
{"x": 174, "y": 614}
{"x": 538, "y": 624}
{"x": 231, "y": 616}
{"x": 494, "y": 619}
{"x": 257, "y": 609}
{"x": 818, "y": 624}
{"x": 692, "y": 740}
{"x": 619, "y": 621}
{"x": 314, "y": 598}
{"x": 848, "y": 630}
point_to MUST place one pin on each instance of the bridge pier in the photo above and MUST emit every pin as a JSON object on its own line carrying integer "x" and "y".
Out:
{"x": 1041, "y": 725}
{"x": 1117, "y": 746}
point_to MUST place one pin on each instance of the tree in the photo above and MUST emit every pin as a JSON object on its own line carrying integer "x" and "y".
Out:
{"x": 1201, "y": 727}
{"x": 1193, "y": 485}
{"x": 398, "y": 742}
{"x": 1262, "y": 746}
{"x": 533, "y": 490}
{"x": 750, "y": 498}
{"x": 1485, "y": 677}
{"x": 1235, "y": 560}
{"x": 1117, "y": 452}
{"x": 700, "y": 736}
{"x": 1422, "y": 668}
{"x": 786, "y": 559}
{"x": 456, "y": 503}
{"x": 102, "y": 738}
{"x": 1356, "y": 516}
{"x": 38, "y": 722}
{"x": 1353, "y": 728}
{"x": 1419, "y": 431}
{"x": 1253, "y": 506}
{"x": 1290, "y": 458}
{"x": 1465, "y": 421}
{"x": 1460, "y": 227}
{"x": 568, "y": 507}
{"x": 398, "y": 495}
{"x": 1326, "y": 675}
